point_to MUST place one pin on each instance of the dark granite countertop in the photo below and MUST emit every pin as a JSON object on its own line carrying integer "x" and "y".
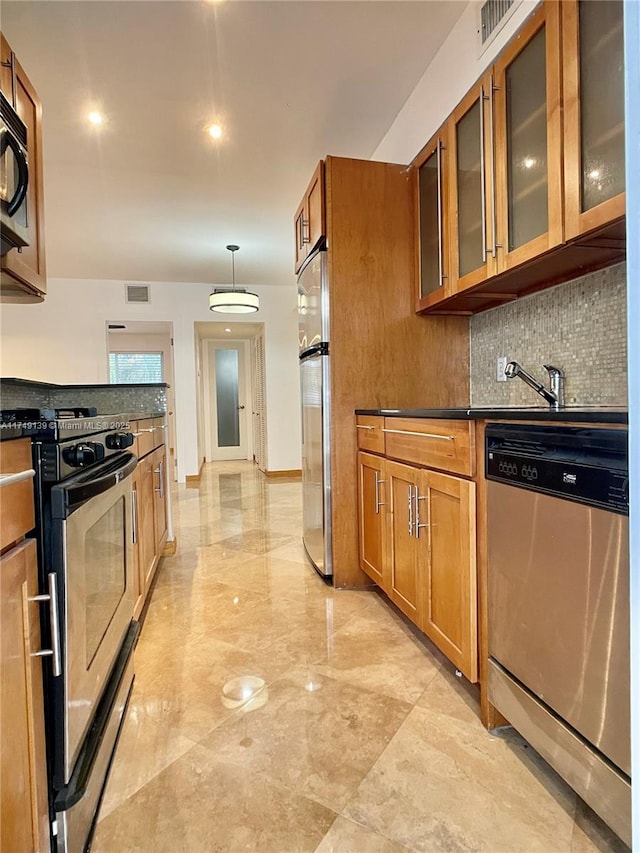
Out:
{"x": 135, "y": 416}
{"x": 34, "y": 383}
{"x": 10, "y": 431}
{"x": 569, "y": 414}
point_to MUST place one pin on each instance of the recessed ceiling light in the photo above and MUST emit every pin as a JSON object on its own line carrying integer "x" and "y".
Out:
{"x": 95, "y": 117}
{"x": 215, "y": 131}
{"x": 227, "y": 330}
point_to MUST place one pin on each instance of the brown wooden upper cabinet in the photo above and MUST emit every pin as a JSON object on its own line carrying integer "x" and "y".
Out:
{"x": 526, "y": 101}
{"x": 471, "y": 200}
{"x": 23, "y": 273}
{"x": 432, "y": 178}
{"x": 594, "y": 163}
{"x": 309, "y": 219}
{"x": 492, "y": 220}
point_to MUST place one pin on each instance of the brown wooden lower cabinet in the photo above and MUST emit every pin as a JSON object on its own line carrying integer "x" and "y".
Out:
{"x": 404, "y": 554}
{"x": 150, "y": 521}
{"x": 138, "y": 576}
{"x": 158, "y": 458}
{"x": 417, "y": 542}
{"x": 24, "y": 818}
{"x": 371, "y": 518}
{"x": 24, "y": 810}
{"x": 449, "y": 584}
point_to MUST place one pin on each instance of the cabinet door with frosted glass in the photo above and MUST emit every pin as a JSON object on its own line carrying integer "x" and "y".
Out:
{"x": 471, "y": 203}
{"x": 432, "y": 217}
{"x": 526, "y": 109}
{"x": 593, "y": 79}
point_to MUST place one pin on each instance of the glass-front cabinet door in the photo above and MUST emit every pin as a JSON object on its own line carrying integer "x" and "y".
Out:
{"x": 432, "y": 222}
{"x": 525, "y": 98}
{"x": 471, "y": 202}
{"x": 594, "y": 161}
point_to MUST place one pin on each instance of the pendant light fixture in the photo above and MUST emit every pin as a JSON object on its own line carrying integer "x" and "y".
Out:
{"x": 233, "y": 300}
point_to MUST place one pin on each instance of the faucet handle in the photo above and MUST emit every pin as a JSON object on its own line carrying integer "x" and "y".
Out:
{"x": 553, "y": 371}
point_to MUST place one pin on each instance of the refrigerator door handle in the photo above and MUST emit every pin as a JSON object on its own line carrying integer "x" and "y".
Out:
{"x": 317, "y": 349}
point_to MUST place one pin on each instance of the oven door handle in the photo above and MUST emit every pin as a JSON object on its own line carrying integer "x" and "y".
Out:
{"x": 78, "y": 490}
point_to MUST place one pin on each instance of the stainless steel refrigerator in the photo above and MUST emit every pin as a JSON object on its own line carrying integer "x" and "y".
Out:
{"x": 313, "y": 326}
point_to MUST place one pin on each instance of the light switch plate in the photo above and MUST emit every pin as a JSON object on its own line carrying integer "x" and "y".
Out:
{"x": 500, "y": 366}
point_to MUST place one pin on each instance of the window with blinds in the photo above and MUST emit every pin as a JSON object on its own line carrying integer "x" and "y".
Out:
{"x": 134, "y": 367}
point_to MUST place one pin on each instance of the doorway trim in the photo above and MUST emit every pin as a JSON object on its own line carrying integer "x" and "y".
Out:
{"x": 209, "y": 345}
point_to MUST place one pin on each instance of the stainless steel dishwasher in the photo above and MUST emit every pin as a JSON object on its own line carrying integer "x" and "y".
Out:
{"x": 558, "y": 599}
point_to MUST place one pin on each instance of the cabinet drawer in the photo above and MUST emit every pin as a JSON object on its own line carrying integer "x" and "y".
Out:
{"x": 16, "y": 497}
{"x": 433, "y": 443}
{"x": 158, "y": 432}
{"x": 144, "y": 433}
{"x": 369, "y": 433}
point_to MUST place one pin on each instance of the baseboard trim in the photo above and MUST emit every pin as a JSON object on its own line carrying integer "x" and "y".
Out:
{"x": 296, "y": 472}
{"x": 194, "y": 479}
{"x": 170, "y": 547}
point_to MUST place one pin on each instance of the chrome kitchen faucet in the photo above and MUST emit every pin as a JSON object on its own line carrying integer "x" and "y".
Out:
{"x": 554, "y": 395}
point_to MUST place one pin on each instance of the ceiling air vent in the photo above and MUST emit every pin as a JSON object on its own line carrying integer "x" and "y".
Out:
{"x": 493, "y": 16}
{"x": 138, "y": 293}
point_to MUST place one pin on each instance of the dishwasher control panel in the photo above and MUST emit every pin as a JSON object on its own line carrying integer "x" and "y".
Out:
{"x": 583, "y": 464}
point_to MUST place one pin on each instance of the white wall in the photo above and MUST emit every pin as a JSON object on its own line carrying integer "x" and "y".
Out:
{"x": 452, "y": 72}
{"x": 63, "y": 339}
{"x": 136, "y": 342}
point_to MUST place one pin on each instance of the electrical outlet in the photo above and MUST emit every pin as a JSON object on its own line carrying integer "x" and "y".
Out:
{"x": 500, "y": 366}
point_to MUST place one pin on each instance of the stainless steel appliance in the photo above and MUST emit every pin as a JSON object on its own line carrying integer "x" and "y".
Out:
{"x": 84, "y": 531}
{"x": 558, "y": 575}
{"x": 14, "y": 178}
{"x": 313, "y": 325}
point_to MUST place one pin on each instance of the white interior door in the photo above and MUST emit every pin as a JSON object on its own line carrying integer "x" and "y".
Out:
{"x": 227, "y": 391}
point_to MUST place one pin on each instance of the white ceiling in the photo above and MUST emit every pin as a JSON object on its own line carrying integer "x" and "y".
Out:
{"x": 150, "y": 196}
{"x": 218, "y": 331}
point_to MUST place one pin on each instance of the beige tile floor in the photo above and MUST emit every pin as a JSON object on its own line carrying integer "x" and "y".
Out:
{"x": 270, "y": 713}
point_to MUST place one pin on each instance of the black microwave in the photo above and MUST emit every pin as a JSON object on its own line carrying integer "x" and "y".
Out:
{"x": 14, "y": 178}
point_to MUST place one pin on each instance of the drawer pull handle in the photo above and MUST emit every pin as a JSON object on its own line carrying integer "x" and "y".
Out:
{"x": 55, "y": 651}
{"x": 10, "y": 479}
{"x": 160, "y": 472}
{"x": 134, "y": 516}
{"x": 422, "y": 434}
{"x": 417, "y": 523}
{"x": 379, "y": 503}
{"x": 363, "y": 426}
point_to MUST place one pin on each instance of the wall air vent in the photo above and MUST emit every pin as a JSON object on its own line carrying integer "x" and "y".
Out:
{"x": 493, "y": 15}
{"x": 138, "y": 293}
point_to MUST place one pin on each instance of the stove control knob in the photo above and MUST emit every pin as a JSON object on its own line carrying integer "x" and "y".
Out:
{"x": 119, "y": 440}
{"x": 81, "y": 455}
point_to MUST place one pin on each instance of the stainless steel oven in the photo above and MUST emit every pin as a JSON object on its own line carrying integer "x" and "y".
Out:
{"x": 84, "y": 468}
{"x": 92, "y": 557}
{"x": 14, "y": 178}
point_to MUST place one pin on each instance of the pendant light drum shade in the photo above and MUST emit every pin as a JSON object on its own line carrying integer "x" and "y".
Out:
{"x": 232, "y": 300}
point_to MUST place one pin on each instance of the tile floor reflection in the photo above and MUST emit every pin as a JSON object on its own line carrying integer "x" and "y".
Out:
{"x": 270, "y": 713}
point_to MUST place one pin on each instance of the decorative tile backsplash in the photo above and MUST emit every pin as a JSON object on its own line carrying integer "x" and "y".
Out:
{"x": 108, "y": 399}
{"x": 579, "y": 326}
